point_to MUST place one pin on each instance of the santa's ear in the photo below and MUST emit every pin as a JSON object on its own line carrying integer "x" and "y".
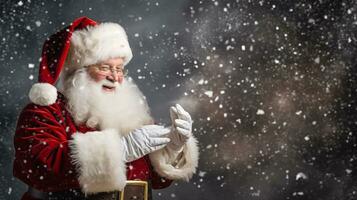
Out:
{"x": 43, "y": 94}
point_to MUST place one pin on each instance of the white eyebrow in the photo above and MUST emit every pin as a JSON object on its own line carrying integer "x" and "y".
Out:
{"x": 120, "y": 65}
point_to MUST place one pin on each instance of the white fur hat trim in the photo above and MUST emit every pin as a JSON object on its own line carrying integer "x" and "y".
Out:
{"x": 98, "y": 43}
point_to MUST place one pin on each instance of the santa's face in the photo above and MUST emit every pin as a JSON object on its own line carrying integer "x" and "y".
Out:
{"x": 90, "y": 101}
{"x": 110, "y": 70}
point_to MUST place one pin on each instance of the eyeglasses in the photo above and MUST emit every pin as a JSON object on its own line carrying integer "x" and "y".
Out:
{"x": 107, "y": 69}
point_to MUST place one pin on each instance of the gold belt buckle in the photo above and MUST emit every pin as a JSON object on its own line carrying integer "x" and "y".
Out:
{"x": 135, "y": 189}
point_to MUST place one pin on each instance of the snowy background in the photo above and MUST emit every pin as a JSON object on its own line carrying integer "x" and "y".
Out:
{"x": 271, "y": 85}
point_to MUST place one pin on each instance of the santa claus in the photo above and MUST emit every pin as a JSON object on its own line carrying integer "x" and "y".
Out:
{"x": 94, "y": 138}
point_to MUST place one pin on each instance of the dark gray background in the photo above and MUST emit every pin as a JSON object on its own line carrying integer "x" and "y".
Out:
{"x": 271, "y": 86}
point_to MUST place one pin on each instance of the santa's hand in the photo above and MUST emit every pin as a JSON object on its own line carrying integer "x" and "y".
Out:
{"x": 181, "y": 127}
{"x": 144, "y": 140}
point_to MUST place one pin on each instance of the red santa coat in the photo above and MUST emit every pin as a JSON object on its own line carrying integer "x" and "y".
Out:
{"x": 44, "y": 160}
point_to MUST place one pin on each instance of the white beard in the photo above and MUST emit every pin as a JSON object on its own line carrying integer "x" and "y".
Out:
{"x": 123, "y": 109}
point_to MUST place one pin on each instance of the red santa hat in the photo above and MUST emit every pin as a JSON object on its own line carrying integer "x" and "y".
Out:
{"x": 82, "y": 43}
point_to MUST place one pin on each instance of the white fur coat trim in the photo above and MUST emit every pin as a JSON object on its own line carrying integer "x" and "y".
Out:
{"x": 43, "y": 94}
{"x": 95, "y": 44}
{"x": 99, "y": 159}
{"x": 162, "y": 161}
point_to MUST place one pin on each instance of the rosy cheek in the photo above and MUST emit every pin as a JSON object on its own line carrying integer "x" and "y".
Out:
{"x": 97, "y": 77}
{"x": 120, "y": 79}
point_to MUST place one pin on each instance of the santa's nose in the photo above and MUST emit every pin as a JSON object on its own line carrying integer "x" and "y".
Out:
{"x": 113, "y": 77}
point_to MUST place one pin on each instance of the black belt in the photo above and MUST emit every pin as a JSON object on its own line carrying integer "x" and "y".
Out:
{"x": 138, "y": 190}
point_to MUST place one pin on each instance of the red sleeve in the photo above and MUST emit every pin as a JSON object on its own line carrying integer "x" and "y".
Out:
{"x": 41, "y": 149}
{"x": 157, "y": 181}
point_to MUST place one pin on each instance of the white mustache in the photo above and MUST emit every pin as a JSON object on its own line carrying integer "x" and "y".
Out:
{"x": 109, "y": 83}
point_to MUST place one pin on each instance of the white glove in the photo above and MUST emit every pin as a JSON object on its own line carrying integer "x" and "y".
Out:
{"x": 181, "y": 127}
{"x": 144, "y": 140}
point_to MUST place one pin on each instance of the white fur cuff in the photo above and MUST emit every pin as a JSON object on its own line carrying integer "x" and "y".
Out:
{"x": 43, "y": 94}
{"x": 99, "y": 159}
{"x": 186, "y": 165}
